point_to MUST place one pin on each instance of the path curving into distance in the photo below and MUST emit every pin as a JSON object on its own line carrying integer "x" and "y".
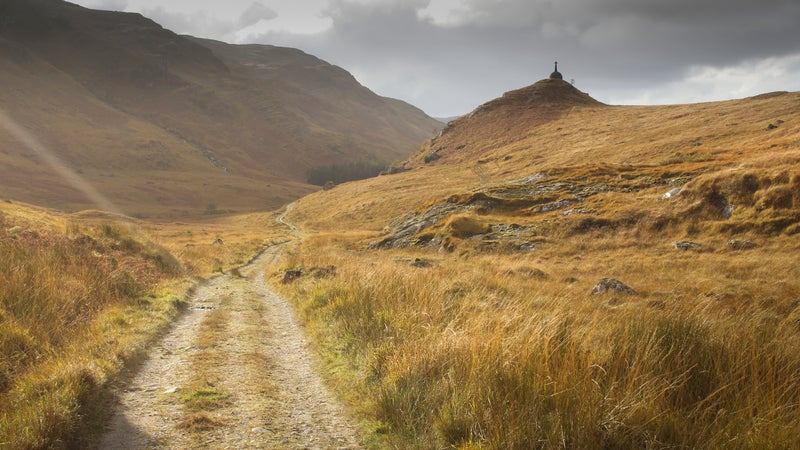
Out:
{"x": 241, "y": 342}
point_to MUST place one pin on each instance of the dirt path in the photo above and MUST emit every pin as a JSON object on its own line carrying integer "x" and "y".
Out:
{"x": 234, "y": 373}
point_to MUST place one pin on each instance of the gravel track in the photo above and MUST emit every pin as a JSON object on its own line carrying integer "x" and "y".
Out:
{"x": 258, "y": 357}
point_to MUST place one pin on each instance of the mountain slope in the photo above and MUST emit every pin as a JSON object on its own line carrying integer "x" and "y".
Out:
{"x": 553, "y": 273}
{"x": 552, "y": 136}
{"x": 170, "y": 125}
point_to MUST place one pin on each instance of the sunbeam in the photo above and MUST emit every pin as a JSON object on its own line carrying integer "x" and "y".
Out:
{"x": 47, "y": 156}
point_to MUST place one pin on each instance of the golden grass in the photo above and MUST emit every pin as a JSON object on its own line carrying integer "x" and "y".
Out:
{"x": 81, "y": 297}
{"x": 204, "y": 393}
{"x": 493, "y": 347}
{"x": 487, "y": 347}
{"x": 199, "y": 423}
{"x": 219, "y": 244}
{"x": 671, "y": 143}
{"x": 205, "y": 397}
{"x": 476, "y": 351}
{"x": 75, "y": 312}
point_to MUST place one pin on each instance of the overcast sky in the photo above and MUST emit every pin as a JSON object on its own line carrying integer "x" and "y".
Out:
{"x": 449, "y": 56}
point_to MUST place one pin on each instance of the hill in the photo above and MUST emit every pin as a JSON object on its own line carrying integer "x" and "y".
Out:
{"x": 168, "y": 125}
{"x": 628, "y": 156}
{"x": 552, "y": 272}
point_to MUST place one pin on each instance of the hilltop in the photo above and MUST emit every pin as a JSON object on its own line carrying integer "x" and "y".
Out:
{"x": 508, "y": 117}
{"x": 168, "y": 125}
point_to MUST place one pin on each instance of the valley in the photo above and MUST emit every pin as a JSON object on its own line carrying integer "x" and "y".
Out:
{"x": 547, "y": 271}
{"x": 604, "y": 278}
{"x": 172, "y": 126}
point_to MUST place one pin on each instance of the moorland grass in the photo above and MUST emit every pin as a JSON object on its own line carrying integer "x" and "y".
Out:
{"x": 74, "y": 312}
{"x": 500, "y": 346}
{"x": 474, "y": 352}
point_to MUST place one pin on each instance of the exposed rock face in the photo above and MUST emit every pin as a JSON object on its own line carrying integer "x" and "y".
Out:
{"x": 688, "y": 245}
{"x": 291, "y": 275}
{"x": 741, "y": 244}
{"x": 613, "y": 286}
{"x": 671, "y": 193}
{"x": 536, "y": 194}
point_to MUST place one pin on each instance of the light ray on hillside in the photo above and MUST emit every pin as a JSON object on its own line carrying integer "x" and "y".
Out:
{"x": 60, "y": 167}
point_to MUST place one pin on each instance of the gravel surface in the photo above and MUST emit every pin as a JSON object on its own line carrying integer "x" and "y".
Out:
{"x": 258, "y": 358}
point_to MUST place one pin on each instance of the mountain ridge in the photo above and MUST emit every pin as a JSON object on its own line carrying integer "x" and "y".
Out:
{"x": 171, "y": 125}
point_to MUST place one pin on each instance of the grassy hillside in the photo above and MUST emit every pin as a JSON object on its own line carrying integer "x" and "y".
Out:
{"x": 171, "y": 126}
{"x": 78, "y": 302}
{"x": 467, "y": 309}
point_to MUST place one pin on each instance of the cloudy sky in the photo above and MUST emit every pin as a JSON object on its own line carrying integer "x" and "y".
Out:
{"x": 449, "y": 56}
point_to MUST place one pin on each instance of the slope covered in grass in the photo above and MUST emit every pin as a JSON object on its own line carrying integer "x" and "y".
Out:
{"x": 172, "y": 126}
{"x": 79, "y": 302}
{"x": 461, "y": 310}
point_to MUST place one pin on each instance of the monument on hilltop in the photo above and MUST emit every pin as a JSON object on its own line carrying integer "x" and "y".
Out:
{"x": 556, "y": 75}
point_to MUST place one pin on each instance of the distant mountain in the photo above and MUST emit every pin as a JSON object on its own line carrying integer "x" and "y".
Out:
{"x": 170, "y": 125}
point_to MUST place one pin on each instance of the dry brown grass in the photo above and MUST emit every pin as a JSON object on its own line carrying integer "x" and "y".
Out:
{"x": 82, "y": 296}
{"x": 199, "y": 423}
{"x": 476, "y": 350}
{"x": 671, "y": 143}
{"x": 493, "y": 347}
{"x": 219, "y": 244}
{"x": 76, "y": 308}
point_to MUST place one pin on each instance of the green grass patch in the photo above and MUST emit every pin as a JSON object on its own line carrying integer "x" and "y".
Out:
{"x": 205, "y": 397}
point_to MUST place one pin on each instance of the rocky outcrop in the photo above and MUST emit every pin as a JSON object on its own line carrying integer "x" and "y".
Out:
{"x": 614, "y": 286}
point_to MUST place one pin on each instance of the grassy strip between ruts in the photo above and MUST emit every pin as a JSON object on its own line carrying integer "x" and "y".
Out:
{"x": 205, "y": 394}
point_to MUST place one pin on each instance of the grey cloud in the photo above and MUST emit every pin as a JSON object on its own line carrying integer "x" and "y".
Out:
{"x": 500, "y": 45}
{"x": 206, "y": 24}
{"x": 486, "y": 47}
{"x": 255, "y": 13}
{"x": 199, "y": 23}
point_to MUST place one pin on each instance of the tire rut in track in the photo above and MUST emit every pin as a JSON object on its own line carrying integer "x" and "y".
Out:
{"x": 241, "y": 340}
